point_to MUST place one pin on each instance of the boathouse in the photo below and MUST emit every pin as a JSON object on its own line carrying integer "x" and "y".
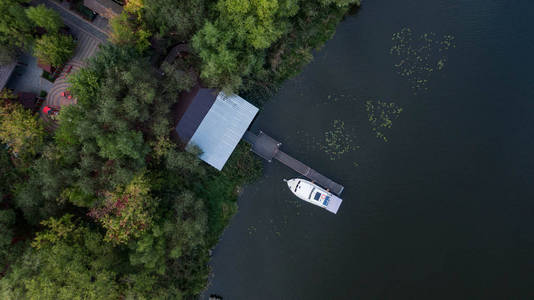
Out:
{"x": 212, "y": 121}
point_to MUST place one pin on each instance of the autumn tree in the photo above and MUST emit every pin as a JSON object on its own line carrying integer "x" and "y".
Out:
{"x": 177, "y": 78}
{"x": 101, "y": 137}
{"x": 106, "y": 139}
{"x": 231, "y": 46}
{"x": 9, "y": 177}
{"x": 7, "y": 220}
{"x": 151, "y": 211}
{"x": 7, "y": 95}
{"x": 313, "y": 24}
{"x": 340, "y": 3}
{"x": 127, "y": 212}
{"x": 134, "y": 6}
{"x": 36, "y": 196}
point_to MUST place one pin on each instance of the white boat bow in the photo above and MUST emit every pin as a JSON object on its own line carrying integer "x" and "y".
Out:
{"x": 314, "y": 194}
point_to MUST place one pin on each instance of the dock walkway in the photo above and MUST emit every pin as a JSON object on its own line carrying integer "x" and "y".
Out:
{"x": 269, "y": 149}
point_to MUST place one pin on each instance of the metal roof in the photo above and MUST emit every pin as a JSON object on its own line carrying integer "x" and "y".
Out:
{"x": 5, "y": 73}
{"x": 192, "y": 109}
{"x": 221, "y": 129}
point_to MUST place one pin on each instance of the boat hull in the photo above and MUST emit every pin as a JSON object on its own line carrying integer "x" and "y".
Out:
{"x": 314, "y": 194}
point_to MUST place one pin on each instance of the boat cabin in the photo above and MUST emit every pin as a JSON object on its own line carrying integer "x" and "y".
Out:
{"x": 309, "y": 192}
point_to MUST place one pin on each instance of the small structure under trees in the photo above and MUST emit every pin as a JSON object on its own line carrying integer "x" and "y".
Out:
{"x": 212, "y": 121}
{"x": 106, "y": 8}
{"x": 28, "y": 101}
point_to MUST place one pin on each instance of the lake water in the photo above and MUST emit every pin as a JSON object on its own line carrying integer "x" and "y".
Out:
{"x": 444, "y": 209}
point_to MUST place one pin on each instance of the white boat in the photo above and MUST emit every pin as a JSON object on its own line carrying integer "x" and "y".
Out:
{"x": 314, "y": 194}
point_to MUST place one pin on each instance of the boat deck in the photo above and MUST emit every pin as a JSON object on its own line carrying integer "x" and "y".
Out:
{"x": 269, "y": 149}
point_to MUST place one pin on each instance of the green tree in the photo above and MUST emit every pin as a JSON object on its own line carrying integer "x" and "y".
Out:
{"x": 16, "y": 28}
{"x": 231, "y": 46}
{"x": 21, "y": 130}
{"x": 7, "y": 55}
{"x": 126, "y": 31}
{"x": 176, "y": 248}
{"x": 54, "y": 49}
{"x": 68, "y": 261}
{"x": 44, "y": 17}
{"x": 176, "y": 80}
{"x": 7, "y": 220}
{"x": 174, "y": 20}
{"x": 340, "y": 3}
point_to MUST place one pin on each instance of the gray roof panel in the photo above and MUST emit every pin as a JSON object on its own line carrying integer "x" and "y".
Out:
{"x": 201, "y": 103}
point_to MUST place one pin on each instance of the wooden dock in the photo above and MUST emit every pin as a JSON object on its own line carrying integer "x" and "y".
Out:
{"x": 269, "y": 149}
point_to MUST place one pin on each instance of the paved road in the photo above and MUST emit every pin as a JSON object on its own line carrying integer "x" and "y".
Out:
{"x": 89, "y": 37}
{"x": 86, "y": 46}
{"x": 72, "y": 20}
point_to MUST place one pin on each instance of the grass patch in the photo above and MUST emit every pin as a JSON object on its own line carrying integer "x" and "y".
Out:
{"x": 222, "y": 188}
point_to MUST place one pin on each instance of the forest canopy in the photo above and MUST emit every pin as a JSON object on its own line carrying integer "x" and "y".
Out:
{"x": 109, "y": 205}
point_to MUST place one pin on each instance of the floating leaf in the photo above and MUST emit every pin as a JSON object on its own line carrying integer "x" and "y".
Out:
{"x": 419, "y": 57}
{"x": 381, "y": 116}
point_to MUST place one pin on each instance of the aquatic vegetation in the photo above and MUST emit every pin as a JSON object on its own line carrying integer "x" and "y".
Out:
{"x": 421, "y": 56}
{"x": 340, "y": 98}
{"x": 381, "y": 116}
{"x": 337, "y": 141}
{"x": 334, "y": 98}
{"x": 251, "y": 230}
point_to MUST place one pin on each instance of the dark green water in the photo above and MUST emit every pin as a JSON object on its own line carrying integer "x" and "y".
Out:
{"x": 443, "y": 210}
